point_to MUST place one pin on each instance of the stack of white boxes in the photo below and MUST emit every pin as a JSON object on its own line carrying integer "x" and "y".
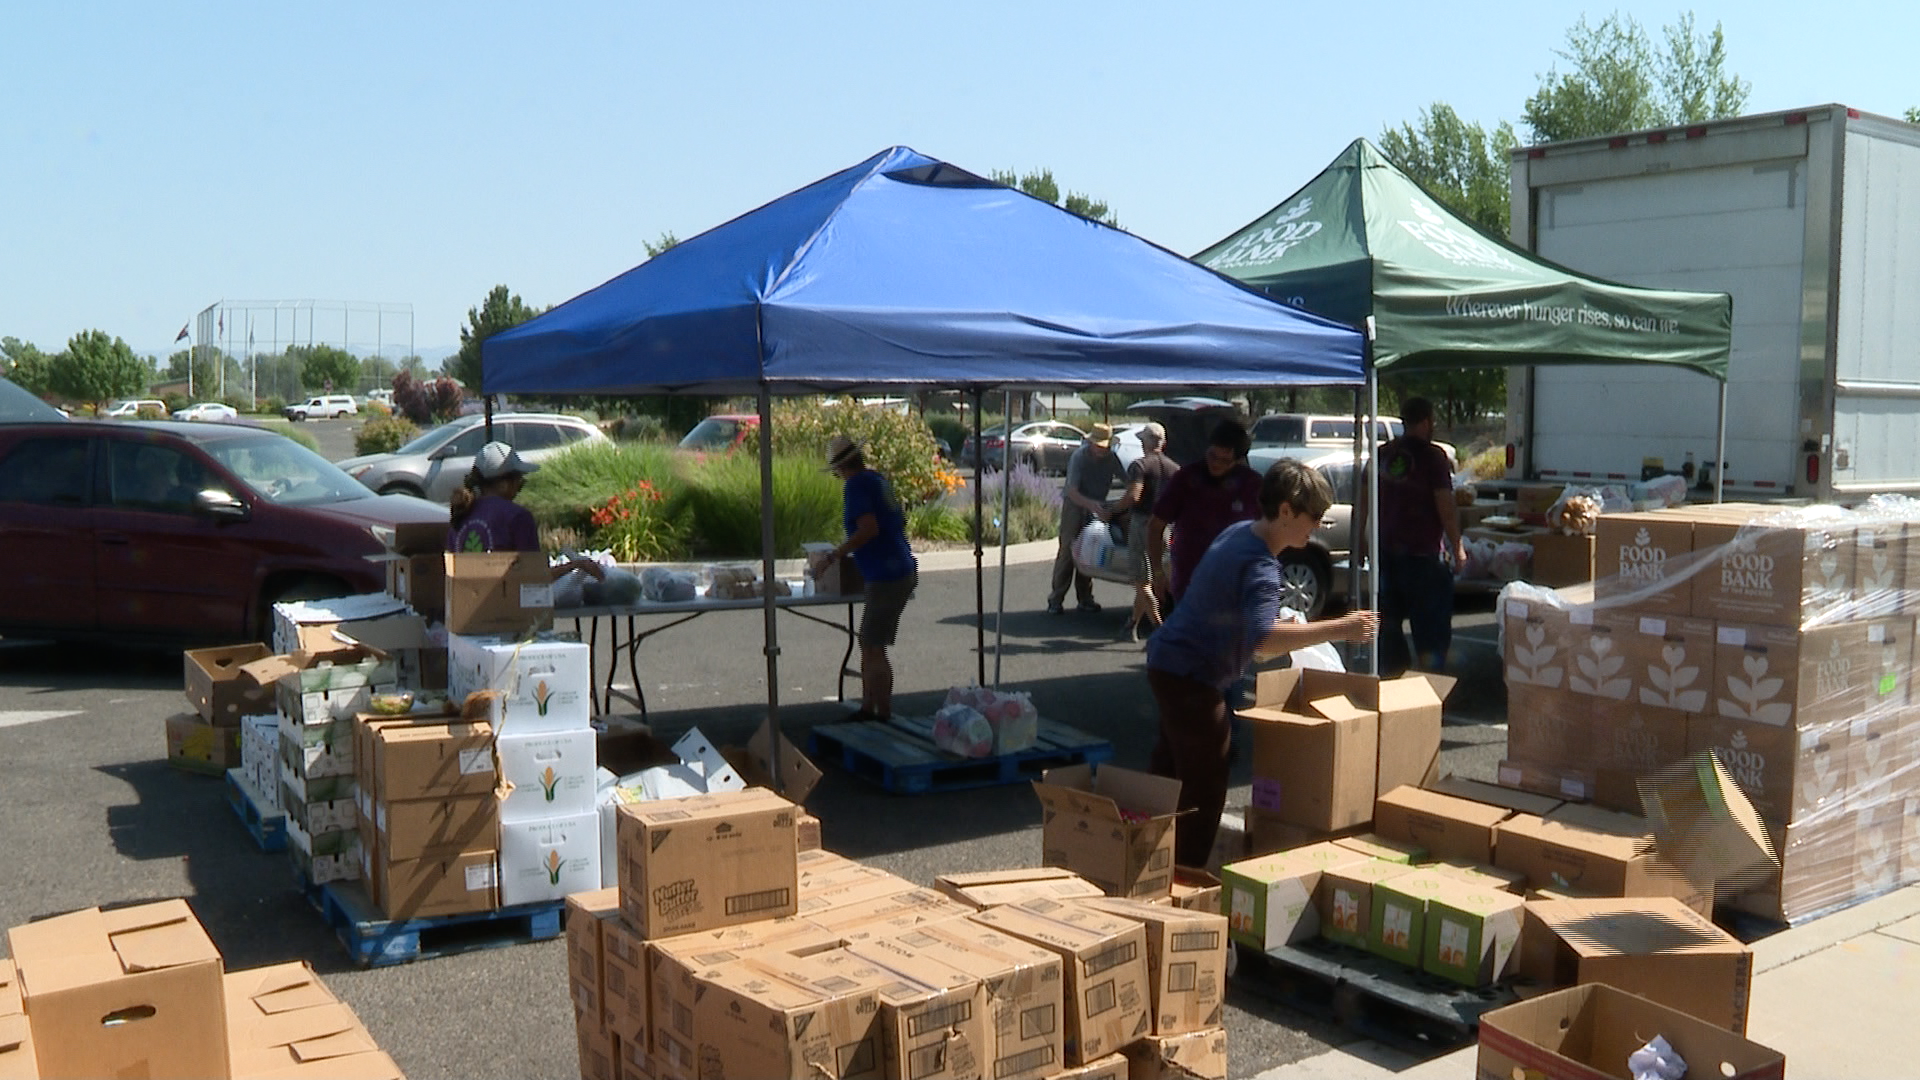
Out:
{"x": 545, "y": 745}
{"x": 317, "y": 706}
{"x": 260, "y": 759}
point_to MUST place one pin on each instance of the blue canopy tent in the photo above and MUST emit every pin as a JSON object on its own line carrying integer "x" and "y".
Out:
{"x": 905, "y": 273}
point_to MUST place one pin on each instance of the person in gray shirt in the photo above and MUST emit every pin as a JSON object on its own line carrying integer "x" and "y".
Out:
{"x": 1092, "y": 471}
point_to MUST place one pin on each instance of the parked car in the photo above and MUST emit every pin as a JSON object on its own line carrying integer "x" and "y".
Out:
{"x": 1312, "y": 576}
{"x": 128, "y": 410}
{"x": 1043, "y": 446}
{"x": 434, "y": 464}
{"x": 19, "y": 407}
{"x": 207, "y": 410}
{"x": 167, "y": 531}
{"x": 718, "y": 434}
{"x": 1189, "y": 421}
{"x": 1313, "y": 429}
{"x": 324, "y": 407}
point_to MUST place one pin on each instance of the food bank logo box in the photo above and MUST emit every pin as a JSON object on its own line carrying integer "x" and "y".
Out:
{"x": 1788, "y": 774}
{"x": 1599, "y": 658}
{"x": 1672, "y": 662}
{"x": 1779, "y": 576}
{"x": 1645, "y": 558}
{"x": 1536, "y": 645}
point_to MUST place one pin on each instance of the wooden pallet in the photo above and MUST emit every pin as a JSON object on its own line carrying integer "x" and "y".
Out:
{"x": 1371, "y": 995}
{"x": 373, "y": 940}
{"x": 267, "y": 827}
{"x": 900, "y": 756}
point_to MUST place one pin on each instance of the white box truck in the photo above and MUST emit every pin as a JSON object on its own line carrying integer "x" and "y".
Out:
{"x": 1811, "y": 220}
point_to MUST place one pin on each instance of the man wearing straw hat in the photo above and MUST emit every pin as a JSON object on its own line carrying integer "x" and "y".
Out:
{"x": 1092, "y": 471}
{"x": 877, "y": 542}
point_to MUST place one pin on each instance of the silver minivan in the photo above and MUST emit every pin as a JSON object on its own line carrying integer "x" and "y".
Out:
{"x": 434, "y": 464}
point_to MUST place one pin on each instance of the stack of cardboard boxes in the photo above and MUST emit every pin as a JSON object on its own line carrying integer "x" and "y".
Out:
{"x": 726, "y": 949}
{"x": 1782, "y": 640}
{"x": 141, "y": 991}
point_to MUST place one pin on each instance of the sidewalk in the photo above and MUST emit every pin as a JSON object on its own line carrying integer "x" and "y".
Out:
{"x": 1833, "y": 996}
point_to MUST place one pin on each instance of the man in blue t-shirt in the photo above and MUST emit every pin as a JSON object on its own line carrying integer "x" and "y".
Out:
{"x": 1229, "y": 613}
{"x": 877, "y": 541}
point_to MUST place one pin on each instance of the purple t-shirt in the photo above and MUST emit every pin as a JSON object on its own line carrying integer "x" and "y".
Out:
{"x": 1232, "y": 604}
{"x": 1199, "y": 506}
{"x": 495, "y": 524}
{"x": 1411, "y": 472}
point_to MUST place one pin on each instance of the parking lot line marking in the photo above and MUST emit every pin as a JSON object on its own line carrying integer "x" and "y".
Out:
{"x": 16, "y": 717}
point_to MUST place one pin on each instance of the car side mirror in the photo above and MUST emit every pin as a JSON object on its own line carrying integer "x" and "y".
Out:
{"x": 222, "y": 505}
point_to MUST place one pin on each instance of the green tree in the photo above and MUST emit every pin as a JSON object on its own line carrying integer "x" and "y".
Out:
{"x": 1621, "y": 81}
{"x": 655, "y": 247}
{"x": 502, "y": 310}
{"x": 1913, "y": 115}
{"x": 96, "y": 369}
{"x": 1042, "y": 186}
{"x": 376, "y": 372}
{"x": 1458, "y": 162}
{"x": 413, "y": 363}
{"x": 26, "y": 365}
{"x": 326, "y": 368}
{"x": 207, "y": 362}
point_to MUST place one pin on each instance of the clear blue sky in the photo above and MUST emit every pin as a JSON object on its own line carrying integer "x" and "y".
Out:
{"x": 159, "y": 157}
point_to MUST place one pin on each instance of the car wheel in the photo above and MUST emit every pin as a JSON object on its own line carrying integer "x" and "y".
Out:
{"x": 403, "y": 489}
{"x": 1306, "y": 581}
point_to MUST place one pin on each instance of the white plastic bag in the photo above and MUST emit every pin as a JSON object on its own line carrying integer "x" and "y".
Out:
{"x": 1010, "y": 713}
{"x": 964, "y": 730}
{"x": 1094, "y": 549}
{"x": 1320, "y": 657}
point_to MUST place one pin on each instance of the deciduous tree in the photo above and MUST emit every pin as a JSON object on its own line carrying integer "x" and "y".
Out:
{"x": 502, "y": 310}
{"x": 96, "y": 369}
{"x": 1042, "y": 186}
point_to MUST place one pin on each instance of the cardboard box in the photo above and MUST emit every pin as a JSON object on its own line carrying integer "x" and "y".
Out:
{"x": 545, "y": 684}
{"x": 9, "y": 988}
{"x": 372, "y": 619}
{"x": 1704, "y": 825}
{"x": 1111, "y": 1067}
{"x": 421, "y": 582}
{"x": 220, "y": 690}
{"x": 1788, "y": 774}
{"x": 600, "y": 1055}
{"x": 883, "y": 916}
{"x": 707, "y": 861}
{"x": 436, "y": 828}
{"x": 1880, "y": 569}
{"x": 933, "y": 1016}
{"x": 1198, "y": 1055}
{"x": 1345, "y": 898}
{"x": 798, "y": 775}
{"x": 546, "y": 858}
{"x": 1532, "y": 501}
{"x": 315, "y": 687}
{"x": 1386, "y": 849}
{"x": 1559, "y": 559}
{"x": 1671, "y": 662}
{"x": 1085, "y": 831}
{"x": 1471, "y": 934}
{"x": 1598, "y": 851}
{"x": 1553, "y": 781}
{"x": 1652, "y": 946}
{"x": 424, "y": 761}
{"x": 672, "y": 963}
{"x": 1642, "y": 560}
{"x": 131, "y": 992}
{"x": 1267, "y": 831}
{"x": 498, "y": 592}
{"x": 282, "y": 1021}
{"x": 547, "y": 774}
{"x": 1550, "y": 728}
{"x": 587, "y": 914}
{"x": 1520, "y": 802}
{"x": 1406, "y": 733}
{"x": 1757, "y": 671}
{"x": 17, "y": 1060}
{"x": 1443, "y": 826}
{"x": 1817, "y": 869}
{"x": 1196, "y": 890}
{"x": 1876, "y": 848}
{"x": 1024, "y": 994}
{"x": 1314, "y": 759}
{"x": 1397, "y": 916}
{"x": 1589, "y": 1031}
{"x": 197, "y": 746}
{"x": 444, "y": 885}
{"x": 1186, "y": 963}
{"x": 1481, "y": 875}
{"x": 1599, "y": 650}
{"x": 1534, "y": 644}
{"x": 626, "y": 989}
{"x": 991, "y": 888}
{"x": 1107, "y": 992}
{"x": 1772, "y": 575}
{"x": 1629, "y": 742}
{"x": 785, "y": 1019}
{"x": 1269, "y": 900}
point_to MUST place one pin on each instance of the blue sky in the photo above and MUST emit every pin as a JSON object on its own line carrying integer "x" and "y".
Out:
{"x": 158, "y": 158}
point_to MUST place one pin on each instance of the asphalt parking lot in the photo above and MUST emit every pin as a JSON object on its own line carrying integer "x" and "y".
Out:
{"x": 97, "y": 817}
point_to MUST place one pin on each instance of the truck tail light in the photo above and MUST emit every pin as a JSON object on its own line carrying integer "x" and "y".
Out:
{"x": 1813, "y": 468}
{"x": 1512, "y": 455}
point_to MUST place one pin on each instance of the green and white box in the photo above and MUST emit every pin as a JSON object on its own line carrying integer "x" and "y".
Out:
{"x": 545, "y": 681}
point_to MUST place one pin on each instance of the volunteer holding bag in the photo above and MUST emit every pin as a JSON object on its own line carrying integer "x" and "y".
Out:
{"x": 486, "y": 518}
{"x": 1230, "y": 612}
{"x": 877, "y": 541}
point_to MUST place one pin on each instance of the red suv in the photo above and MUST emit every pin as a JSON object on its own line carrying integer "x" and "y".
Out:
{"x": 178, "y": 532}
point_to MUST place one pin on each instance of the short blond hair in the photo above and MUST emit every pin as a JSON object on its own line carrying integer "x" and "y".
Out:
{"x": 1289, "y": 482}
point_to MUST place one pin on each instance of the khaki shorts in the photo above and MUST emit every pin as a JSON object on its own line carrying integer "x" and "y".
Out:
{"x": 880, "y": 620}
{"x": 1137, "y": 571}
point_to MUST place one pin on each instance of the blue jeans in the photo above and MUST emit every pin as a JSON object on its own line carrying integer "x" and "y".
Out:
{"x": 1415, "y": 589}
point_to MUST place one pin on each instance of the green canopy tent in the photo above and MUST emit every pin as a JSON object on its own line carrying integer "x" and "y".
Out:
{"x": 1363, "y": 244}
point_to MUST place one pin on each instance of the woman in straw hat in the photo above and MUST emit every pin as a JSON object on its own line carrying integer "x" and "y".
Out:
{"x": 877, "y": 542}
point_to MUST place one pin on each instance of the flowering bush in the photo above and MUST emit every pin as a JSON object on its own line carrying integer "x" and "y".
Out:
{"x": 634, "y": 524}
{"x": 1033, "y": 506}
{"x": 434, "y": 402}
{"x": 898, "y": 445}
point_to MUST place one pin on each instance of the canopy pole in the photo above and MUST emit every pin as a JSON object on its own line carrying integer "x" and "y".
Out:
{"x": 486, "y": 403}
{"x": 1000, "y": 617}
{"x": 979, "y": 552}
{"x": 767, "y": 607}
{"x": 1373, "y": 495}
{"x": 1720, "y": 449}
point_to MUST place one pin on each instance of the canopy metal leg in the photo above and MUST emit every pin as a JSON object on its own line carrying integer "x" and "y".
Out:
{"x": 767, "y": 607}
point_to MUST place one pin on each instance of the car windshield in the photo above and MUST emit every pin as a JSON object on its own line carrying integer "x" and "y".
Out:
{"x": 713, "y": 433}
{"x": 19, "y": 407}
{"x": 433, "y": 437}
{"x": 283, "y": 471}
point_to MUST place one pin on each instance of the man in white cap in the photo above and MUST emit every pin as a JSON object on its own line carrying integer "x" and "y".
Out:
{"x": 1092, "y": 471}
{"x": 1146, "y": 478}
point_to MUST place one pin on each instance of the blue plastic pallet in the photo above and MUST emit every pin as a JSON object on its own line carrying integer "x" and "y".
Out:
{"x": 373, "y": 940}
{"x": 268, "y": 828}
{"x": 900, "y": 756}
{"x": 1372, "y": 996}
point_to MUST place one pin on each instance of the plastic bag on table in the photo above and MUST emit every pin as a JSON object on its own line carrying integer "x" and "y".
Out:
{"x": 569, "y": 591}
{"x": 618, "y": 588}
{"x": 964, "y": 730}
{"x": 1011, "y": 713}
{"x": 668, "y": 586}
{"x": 1659, "y": 492}
{"x": 1577, "y": 509}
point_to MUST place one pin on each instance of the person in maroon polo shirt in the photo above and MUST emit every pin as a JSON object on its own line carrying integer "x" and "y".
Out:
{"x": 1201, "y": 500}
